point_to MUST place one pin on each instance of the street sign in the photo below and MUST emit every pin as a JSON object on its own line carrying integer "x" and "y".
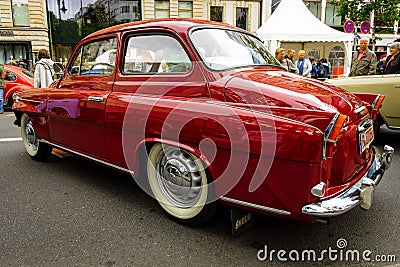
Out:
{"x": 365, "y": 27}
{"x": 348, "y": 26}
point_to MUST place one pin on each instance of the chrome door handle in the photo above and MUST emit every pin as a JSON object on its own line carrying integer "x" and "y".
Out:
{"x": 96, "y": 98}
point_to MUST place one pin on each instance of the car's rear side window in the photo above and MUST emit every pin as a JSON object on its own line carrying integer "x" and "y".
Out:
{"x": 150, "y": 54}
{"x": 10, "y": 77}
{"x": 96, "y": 58}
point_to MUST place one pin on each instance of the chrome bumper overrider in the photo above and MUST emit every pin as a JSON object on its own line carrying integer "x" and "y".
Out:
{"x": 358, "y": 194}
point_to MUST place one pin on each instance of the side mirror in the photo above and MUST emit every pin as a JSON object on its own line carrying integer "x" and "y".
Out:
{"x": 58, "y": 70}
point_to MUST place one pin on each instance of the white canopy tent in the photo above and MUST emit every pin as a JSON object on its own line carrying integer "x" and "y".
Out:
{"x": 293, "y": 22}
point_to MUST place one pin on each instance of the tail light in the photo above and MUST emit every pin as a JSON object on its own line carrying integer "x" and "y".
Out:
{"x": 376, "y": 105}
{"x": 332, "y": 133}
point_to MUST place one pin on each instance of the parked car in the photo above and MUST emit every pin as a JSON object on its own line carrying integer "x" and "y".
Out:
{"x": 201, "y": 113}
{"x": 17, "y": 79}
{"x": 388, "y": 85}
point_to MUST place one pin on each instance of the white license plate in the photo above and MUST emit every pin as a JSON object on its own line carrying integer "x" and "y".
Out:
{"x": 365, "y": 139}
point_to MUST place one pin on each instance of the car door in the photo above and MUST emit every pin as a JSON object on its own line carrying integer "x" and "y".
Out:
{"x": 76, "y": 107}
{"x": 157, "y": 70}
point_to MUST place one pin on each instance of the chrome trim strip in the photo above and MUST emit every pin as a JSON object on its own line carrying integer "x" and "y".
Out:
{"x": 394, "y": 127}
{"x": 28, "y": 100}
{"x": 375, "y": 101}
{"x": 365, "y": 124}
{"x": 255, "y": 206}
{"x": 327, "y": 133}
{"x": 359, "y": 109}
{"x": 265, "y": 113}
{"x": 88, "y": 157}
{"x": 96, "y": 98}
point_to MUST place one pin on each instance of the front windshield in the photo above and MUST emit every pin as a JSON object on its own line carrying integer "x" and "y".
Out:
{"x": 222, "y": 49}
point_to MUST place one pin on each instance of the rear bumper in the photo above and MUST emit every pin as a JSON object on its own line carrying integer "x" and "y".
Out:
{"x": 359, "y": 194}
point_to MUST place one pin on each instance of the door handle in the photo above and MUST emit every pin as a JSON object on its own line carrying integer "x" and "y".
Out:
{"x": 96, "y": 98}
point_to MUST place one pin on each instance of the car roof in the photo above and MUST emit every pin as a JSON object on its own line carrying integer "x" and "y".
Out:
{"x": 177, "y": 24}
{"x": 13, "y": 68}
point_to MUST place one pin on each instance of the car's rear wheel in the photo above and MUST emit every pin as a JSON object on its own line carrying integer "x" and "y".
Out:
{"x": 180, "y": 184}
{"x": 36, "y": 150}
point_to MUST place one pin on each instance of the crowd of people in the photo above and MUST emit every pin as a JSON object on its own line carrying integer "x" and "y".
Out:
{"x": 307, "y": 67}
{"x": 364, "y": 62}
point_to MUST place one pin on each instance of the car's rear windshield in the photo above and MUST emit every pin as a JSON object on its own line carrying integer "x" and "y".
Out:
{"x": 27, "y": 73}
{"x": 221, "y": 49}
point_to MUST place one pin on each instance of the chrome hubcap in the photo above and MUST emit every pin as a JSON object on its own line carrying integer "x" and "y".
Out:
{"x": 179, "y": 177}
{"x": 31, "y": 136}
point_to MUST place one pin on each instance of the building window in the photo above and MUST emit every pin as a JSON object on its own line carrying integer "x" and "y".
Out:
{"x": 161, "y": 9}
{"x": 242, "y": 14}
{"x": 314, "y": 7}
{"x": 185, "y": 9}
{"x": 20, "y": 12}
{"x": 274, "y": 5}
{"x": 216, "y": 13}
{"x": 313, "y": 53}
{"x": 331, "y": 17}
{"x": 136, "y": 11}
{"x": 125, "y": 9}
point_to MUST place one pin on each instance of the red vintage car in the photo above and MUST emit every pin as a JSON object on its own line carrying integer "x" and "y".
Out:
{"x": 17, "y": 79}
{"x": 201, "y": 113}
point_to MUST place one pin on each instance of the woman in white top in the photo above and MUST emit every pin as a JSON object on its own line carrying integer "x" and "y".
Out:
{"x": 303, "y": 64}
{"x": 44, "y": 70}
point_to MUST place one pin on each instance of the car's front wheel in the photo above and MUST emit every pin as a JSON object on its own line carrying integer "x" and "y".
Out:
{"x": 36, "y": 150}
{"x": 179, "y": 182}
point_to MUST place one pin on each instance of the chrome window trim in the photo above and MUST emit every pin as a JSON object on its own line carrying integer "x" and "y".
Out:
{"x": 255, "y": 206}
{"x": 88, "y": 157}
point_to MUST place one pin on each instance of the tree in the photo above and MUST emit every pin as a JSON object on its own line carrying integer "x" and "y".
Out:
{"x": 63, "y": 31}
{"x": 97, "y": 18}
{"x": 386, "y": 12}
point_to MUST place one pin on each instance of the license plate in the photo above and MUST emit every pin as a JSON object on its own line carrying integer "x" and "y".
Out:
{"x": 365, "y": 139}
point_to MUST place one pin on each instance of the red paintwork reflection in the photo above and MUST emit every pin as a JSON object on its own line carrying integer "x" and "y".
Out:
{"x": 17, "y": 81}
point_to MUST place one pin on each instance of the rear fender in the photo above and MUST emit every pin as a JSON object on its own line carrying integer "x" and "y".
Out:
{"x": 367, "y": 98}
{"x": 13, "y": 90}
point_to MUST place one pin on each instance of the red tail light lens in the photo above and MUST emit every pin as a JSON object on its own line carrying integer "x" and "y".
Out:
{"x": 332, "y": 133}
{"x": 376, "y": 105}
{"x": 337, "y": 128}
{"x": 378, "y": 102}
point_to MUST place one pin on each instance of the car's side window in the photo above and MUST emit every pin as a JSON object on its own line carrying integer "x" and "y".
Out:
{"x": 96, "y": 58}
{"x": 10, "y": 77}
{"x": 148, "y": 54}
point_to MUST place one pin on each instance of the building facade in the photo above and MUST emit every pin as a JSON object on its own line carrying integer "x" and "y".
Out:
{"x": 23, "y": 31}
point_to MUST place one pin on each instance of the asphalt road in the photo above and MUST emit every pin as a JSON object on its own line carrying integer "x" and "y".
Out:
{"x": 71, "y": 212}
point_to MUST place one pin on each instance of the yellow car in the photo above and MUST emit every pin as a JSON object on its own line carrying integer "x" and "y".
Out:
{"x": 388, "y": 85}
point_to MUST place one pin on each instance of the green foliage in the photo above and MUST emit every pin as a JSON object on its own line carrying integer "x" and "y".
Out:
{"x": 386, "y": 12}
{"x": 97, "y": 18}
{"x": 63, "y": 31}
